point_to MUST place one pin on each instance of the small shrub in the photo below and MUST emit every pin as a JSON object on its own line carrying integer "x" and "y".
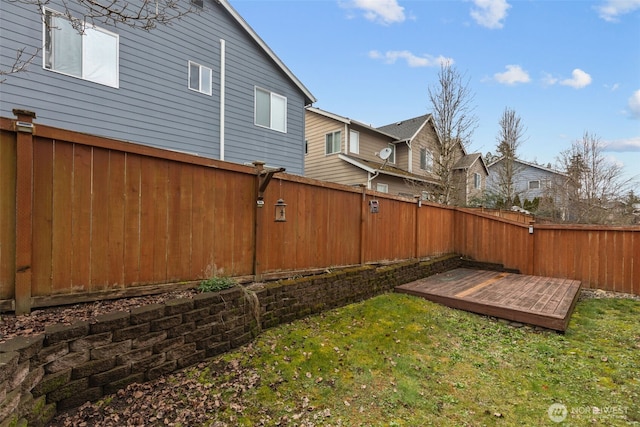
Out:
{"x": 216, "y": 283}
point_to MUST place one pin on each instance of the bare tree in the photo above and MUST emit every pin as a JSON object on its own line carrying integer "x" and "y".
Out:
{"x": 454, "y": 120}
{"x": 139, "y": 14}
{"x": 510, "y": 137}
{"x": 597, "y": 189}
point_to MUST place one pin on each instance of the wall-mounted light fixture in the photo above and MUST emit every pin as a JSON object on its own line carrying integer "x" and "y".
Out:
{"x": 531, "y": 228}
{"x": 281, "y": 211}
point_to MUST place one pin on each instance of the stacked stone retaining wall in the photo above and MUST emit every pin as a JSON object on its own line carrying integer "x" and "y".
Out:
{"x": 69, "y": 365}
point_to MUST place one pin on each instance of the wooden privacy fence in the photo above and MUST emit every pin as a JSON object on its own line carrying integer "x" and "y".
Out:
{"x": 83, "y": 217}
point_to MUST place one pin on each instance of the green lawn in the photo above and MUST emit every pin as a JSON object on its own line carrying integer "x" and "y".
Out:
{"x": 397, "y": 360}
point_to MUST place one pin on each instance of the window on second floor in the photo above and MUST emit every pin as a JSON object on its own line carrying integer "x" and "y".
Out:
{"x": 271, "y": 110}
{"x": 332, "y": 142}
{"x": 383, "y": 188}
{"x": 392, "y": 157}
{"x": 534, "y": 185}
{"x": 426, "y": 159}
{"x": 89, "y": 53}
{"x": 200, "y": 78}
{"x": 354, "y": 142}
{"x": 477, "y": 181}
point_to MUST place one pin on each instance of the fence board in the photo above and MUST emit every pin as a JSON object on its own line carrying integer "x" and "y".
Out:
{"x": 7, "y": 214}
{"x": 61, "y": 184}
{"x": 160, "y": 234}
{"x": 132, "y": 220}
{"x": 81, "y": 217}
{"x": 100, "y": 220}
{"x": 42, "y": 217}
{"x": 116, "y": 209}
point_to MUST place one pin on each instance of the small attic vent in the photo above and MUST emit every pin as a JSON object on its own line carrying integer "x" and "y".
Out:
{"x": 399, "y": 123}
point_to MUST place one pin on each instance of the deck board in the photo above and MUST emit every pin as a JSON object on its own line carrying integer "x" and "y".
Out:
{"x": 536, "y": 300}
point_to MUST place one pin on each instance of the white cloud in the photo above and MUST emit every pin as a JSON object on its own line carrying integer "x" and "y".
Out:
{"x": 610, "y": 10}
{"x": 514, "y": 74}
{"x": 490, "y": 13}
{"x": 390, "y": 57}
{"x": 634, "y": 104}
{"x": 381, "y": 11}
{"x": 623, "y": 145}
{"x": 578, "y": 80}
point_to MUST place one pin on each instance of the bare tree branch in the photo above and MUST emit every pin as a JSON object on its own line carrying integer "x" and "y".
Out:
{"x": 21, "y": 63}
{"x": 455, "y": 122}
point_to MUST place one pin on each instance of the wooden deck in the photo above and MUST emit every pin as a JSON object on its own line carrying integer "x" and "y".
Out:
{"x": 540, "y": 301}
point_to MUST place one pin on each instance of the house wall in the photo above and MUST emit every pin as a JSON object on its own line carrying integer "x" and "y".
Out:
{"x": 372, "y": 143}
{"x": 318, "y": 165}
{"x": 522, "y": 176}
{"x": 153, "y": 104}
{"x": 428, "y": 139}
{"x": 476, "y": 193}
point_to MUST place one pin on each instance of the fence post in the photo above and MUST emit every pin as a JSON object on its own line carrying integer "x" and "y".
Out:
{"x": 24, "y": 209}
{"x": 363, "y": 213}
{"x": 532, "y": 247}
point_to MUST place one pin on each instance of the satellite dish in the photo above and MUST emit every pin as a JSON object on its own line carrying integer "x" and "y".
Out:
{"x": 385, "y": 153}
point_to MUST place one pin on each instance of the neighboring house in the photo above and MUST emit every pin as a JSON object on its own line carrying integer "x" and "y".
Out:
{"x": 530, "y": 181}
{"x": 346, "y": 151}
{"x": 207, "y": 84}
{"x": 470, "y": 175}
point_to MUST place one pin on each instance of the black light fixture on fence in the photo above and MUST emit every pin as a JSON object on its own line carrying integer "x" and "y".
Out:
{"x": 281, "y": 211}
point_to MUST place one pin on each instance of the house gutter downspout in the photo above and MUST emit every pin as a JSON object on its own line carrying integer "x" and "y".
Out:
{"x": 410, "y": 155}
{"x": 222, "y": 95}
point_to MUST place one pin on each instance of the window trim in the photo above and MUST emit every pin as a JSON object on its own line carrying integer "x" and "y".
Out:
{"x": 200, "y": 68}
{"x": 272, "y": 95}
{"x": 392, "y": 157}
{"x": 357, "y": 145}
{"x": 87, "y": 27}
{"x": 535, "y": 188}
{"x": 333, "y": 142}
{"x": 477, "y": 181}
{"x": 425, "y": 154}
{"x": 385, "y": 187}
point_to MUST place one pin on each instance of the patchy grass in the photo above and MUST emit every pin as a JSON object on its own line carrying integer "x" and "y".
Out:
{"x": 400, "y": 360}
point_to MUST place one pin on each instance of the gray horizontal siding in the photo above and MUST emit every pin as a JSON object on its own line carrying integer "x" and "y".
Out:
{"x": 153, "y": 104}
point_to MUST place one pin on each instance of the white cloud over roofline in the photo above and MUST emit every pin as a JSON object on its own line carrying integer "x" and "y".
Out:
{"x": 578, "y": 80}
{"x": 610, "y": 10}
{"x": 490, "y": 13}
{"x": 514, "y": 75}
{"x": 412, "y": 60}
{"x": 384, "y": 12}
{"x": 623, "y": 145}
{"x": 634, "y": 104}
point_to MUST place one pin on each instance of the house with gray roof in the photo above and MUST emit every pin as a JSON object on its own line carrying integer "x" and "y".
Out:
{"x": 530, "y": 181}
{"x": 207, "y": 84}
{"x": 346, "y": 151}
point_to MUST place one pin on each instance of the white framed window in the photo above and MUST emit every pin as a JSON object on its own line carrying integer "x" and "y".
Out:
{"x": 383, "y": 188}
{"x": 392, "y": 157}
{"x": 270, "y": 110}
{"x": 354, "y": 142}
{"x": 426, "y": 159}
{"x": 476, "y": 180}
{"x": 332, "y": 142}
{"x": 200, "y": 78}
{"x": 80, "y": 50}
{"x": 534, "y": 185}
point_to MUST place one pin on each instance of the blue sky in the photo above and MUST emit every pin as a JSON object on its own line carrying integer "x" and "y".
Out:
{"x": 565, "y": 67}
